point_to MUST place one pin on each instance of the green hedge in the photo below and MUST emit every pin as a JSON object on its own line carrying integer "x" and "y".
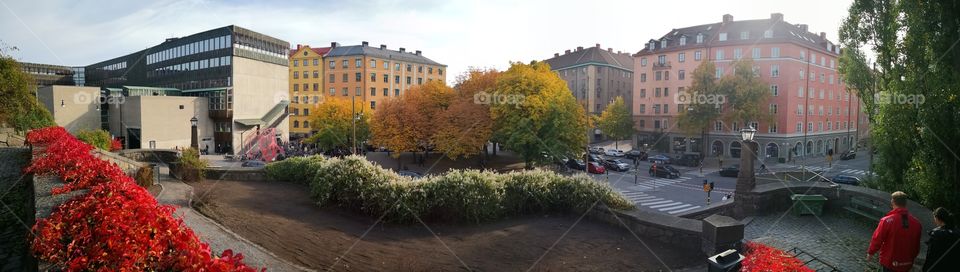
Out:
{"x": 457, "y": 196}
{"x": 97, "y": 138}
{"x": 297, "y": 169}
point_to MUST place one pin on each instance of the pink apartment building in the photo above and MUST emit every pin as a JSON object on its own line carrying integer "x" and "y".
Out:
{"x": 812, "y": 111}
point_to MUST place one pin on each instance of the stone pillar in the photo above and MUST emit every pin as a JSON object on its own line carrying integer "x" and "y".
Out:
{"x": 721, "y": 233}
{"x": 744, "y": 201}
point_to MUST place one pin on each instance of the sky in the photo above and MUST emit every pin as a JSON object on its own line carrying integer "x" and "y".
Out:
{"x": 460, "y": 34}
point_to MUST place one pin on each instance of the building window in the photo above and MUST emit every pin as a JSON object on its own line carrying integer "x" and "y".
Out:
{"x": 373, "y": 91}
{"x": 681, "y": 57}
{"x": 316, "y": 74}
{"x": 358, "y": 76}
{"x": 333, "y": 64}
{"x": 658, "y": 75}
{"x": 744, "y": 35}
{"x": 346, "y": 77}
{"x": 373, "y": 105}
{"x": 775, "y": 52}
{"x": 373, "y": 77}
{"x": 305, "y": 74}
{"x": 768, "y": 33}
{"x": 358, "y": 91}
{"x": 346, "y": 91}
{"x": 773, "y": 108}
{"x": 719, "y": 72}
{"x": 396, "y": 66}
{"x": 756, "y": 53}
{"x": 296, "y": 87}
{"x": 332, "y": 78}
{"x": 296, "y": 63}
{"x": 737, "y": 53}
{"x": 719, "y": 55}
{"x": 396, "y": 92}
{"x": 316, "y": 62}
{"x": 775, "y": 70}
{"x": 373, "y": 63}
{"x": 681, "y": 75}
{"x": 699, "y": 37}
{"x": 772, "y": 128}
{"x": 696, "y": 55}
{"x": 409, "y": 80}
{"x": 306, "y": 124}
{"x": 306, "y": 87}
{"x": 296, "y": 123}
{"x": 333, "y": 92}
{"x": 723, "y": 36}
{"x": 774, "y": 90}
{"x": 396, "y": 79}
{"x": 799, "y": 127}
{"x": 296, "y": 75}
{"x": 643, "y": 77}
{"x": 718, "y": 126}
{"x": 643, "y": 62}
{"x": 643, "y": 108}
{"x": 386, "y": 78}
{"x": 306, "y": 112}
{"x": 358, "y": 63}
{"x": 683, "y": 40}
{"x": 799, "y": 110}
{"x": 419, "y": 81}
{"x": 409, "y": 68}
{"x": 643, "y": 93}
{"x": 346, "y": 63}
{"x": 386, "y": 92}
{"x": 316, "y": 86}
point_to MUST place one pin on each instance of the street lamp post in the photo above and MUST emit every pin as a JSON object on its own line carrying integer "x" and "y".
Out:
{"x": 746, "y": 179}
{"x": 193, "y": 133}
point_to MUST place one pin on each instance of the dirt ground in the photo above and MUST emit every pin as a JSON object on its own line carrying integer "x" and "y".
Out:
{"x": 282, "y": 218}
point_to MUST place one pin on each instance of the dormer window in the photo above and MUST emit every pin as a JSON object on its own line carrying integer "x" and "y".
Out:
{"x": 683, "y": 40}
{"x": 723, "y": 36}
{"x": 699, "y": 37}
{"x": 652, "y": 46}
{"x": 768, "y": 34}
{"x": 744, "y": 35}
{"x": 663, "y": 43}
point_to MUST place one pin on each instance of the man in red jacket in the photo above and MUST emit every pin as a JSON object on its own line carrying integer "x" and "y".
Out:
{"x": 897, "y": 237}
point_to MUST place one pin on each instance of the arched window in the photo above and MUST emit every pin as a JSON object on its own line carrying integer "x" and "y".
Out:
{"x": 772, "y": 150}
{"x": 735, "y": 149}
{"x": 819, "y": 146}
{"x": 306, "y": 124}
{"x": 809, "y": 147}
{"x": 717, "y": 148}
{"x": 296, "y": 123}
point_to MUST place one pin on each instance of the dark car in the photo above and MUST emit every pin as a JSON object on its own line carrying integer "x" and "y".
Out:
{"x": 411, "y": 174}
{"x": 576, "y": 164}
{"x": 253, "y": 163}
{"x": 691, "y": 160}
{"x": 637, "y": 154}
{"x": 615, "y": 164}
{"x": 846, "y": 179}
{"x": 730, "y": 171}
{"x": 849, "y": 155}
{"x": 593, "y": 158}
{"x": 663, "y": 171}
{"x": 659, "y": 159}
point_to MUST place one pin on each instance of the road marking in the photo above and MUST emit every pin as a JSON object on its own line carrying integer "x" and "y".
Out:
{"x": 655, "y": 202}
{"x": 683, "y": 210}
{"x": 650, "y": 200}
{"x": 675, "y": 207}
{"x": 666, "y": 205}
{"x": 645, "y": 198}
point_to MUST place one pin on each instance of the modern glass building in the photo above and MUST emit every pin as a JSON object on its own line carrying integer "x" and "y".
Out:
{"x": 242, "y": 73}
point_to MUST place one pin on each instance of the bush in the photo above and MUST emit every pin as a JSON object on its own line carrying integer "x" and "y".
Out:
{"x": 458, "y": 196}
{"x": 191, "y": 166}
{"x": 144, "y": 176}
{"x": 297, "y": 169}
{"x": 97, "y": 138}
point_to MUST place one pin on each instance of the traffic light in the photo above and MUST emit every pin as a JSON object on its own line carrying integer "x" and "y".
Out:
{"x": 711, "y": 186}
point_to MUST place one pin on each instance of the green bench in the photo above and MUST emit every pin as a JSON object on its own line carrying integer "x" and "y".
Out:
{"x": 867, "y": 208}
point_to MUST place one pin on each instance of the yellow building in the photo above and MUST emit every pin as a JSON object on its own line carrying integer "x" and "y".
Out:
{"x": 306, "y": 83}
{"x": 374, "y": 74}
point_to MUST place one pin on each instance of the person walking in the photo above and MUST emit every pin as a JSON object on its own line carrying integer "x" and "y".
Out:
{"x": 897, "y": 236}
{"x": 943, "y": 253}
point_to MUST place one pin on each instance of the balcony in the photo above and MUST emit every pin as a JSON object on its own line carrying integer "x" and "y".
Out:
{"x": 661, "y": 65}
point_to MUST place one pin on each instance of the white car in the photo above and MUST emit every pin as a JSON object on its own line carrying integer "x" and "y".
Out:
{"x": 614, "y": 153}
{"x": 596, "y": 150}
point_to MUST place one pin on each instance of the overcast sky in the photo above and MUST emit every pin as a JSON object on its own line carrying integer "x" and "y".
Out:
{"x": 460, "y": 34}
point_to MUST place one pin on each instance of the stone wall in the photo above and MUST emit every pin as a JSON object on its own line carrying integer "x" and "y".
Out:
{"x": 681, "y": 232}
{"x": 158, "y": 156}
{"x": 18, "y": 216}
{"x": 725, "y": 208}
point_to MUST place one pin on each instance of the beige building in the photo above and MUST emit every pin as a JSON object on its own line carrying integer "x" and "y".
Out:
{"x": 306, "y": 83}
{"x": 73, "y": 107}
{"x": 162, "y": 122}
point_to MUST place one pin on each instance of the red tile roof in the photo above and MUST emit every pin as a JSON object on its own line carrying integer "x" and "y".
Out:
{"x": 320, "y": 51}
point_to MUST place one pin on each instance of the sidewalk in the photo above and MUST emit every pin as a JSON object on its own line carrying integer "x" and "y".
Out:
{"x": 179, "y": 194}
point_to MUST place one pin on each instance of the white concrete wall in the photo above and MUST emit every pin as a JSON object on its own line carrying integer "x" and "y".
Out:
{"x": 79, "y": 106}
{"x": 257, "y": 88}
{"x": 161, "y": 119}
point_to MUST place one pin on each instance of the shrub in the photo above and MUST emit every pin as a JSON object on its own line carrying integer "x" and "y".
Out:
{"x": 97, "y": 138}
{"x": 115, "y": 145}
{"x": 461, "y": 195}
{"x": 114, "y": 226}
{"x": 144, "y": 176}
{"x": 191, "y": 166}
{"x": 297, "y": 169}
{"x": 763, "y": 258}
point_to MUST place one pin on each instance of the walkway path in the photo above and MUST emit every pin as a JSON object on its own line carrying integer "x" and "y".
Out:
{"x": 178, "y": 194}
{"x": 836, "y": 239}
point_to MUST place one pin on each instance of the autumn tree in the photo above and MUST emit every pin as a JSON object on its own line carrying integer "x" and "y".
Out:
{"x": 535, "y": 113}
{"x": 699, "y": 105}
{"x": 615, "y": 121}
{"x": 407, "y": 124}
{"x": 464, "y": 128}
{"x": 334, "y": 123}
{"x": 745, "y": 93}
{"x": 388, "y": 128}
{"x": 18, "y": 103}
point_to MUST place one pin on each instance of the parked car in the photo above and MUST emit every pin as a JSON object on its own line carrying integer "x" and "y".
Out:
{"x": 615, "y": 164}
{"x": 659, "y": 159}
{"x": 596, "y": 168}
{"x": 846, "y": 179}
{"x": 636, "y": 154}
{"x": 576, "y": 164}
{"x": 849, "y": 155}
{"x": 663, "y": 171}
{"x": 593, "y": 158}
{"x": 730, "y": 171}
{"x": 596, "y": 150}
{"x": 253, "y": 163}
{"x": 614, "y": 153}
{"x": 409, "y": 173}
{"x": 691, "y": 160}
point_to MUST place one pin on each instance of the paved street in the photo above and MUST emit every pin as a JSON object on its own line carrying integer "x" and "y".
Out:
{"x": 685, "y": 194}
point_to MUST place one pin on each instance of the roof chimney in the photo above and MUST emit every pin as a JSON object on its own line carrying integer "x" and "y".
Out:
{"x": 777, "y": 17}
{"x": 609, "y": 49}
{"x": 418, "y": 52}
{"x": 579, "y": 48}
{"x": 823, "y": 35}
{"x": 566, "y": 51}
{"x": 619, "y": 52}
{"x": 727, "y": 18}
{"x": 598, "y": 45}
{"x": 383, "y": 47}
{"x": 364, "y": 43}
{"x": 803, "y": 28}
{"x": 556, "y": 55}
{"x": 299, "y": 46}
{"x": 403, "y": 50}
{"x": 334, "y": 44}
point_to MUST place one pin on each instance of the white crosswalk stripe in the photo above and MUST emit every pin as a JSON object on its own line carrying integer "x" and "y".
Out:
{"x": 675, "y": 207}
{"x": 655, "y": 202}
{"x": 856, "y": 172}
{"x": 669, "y": 204}
{"x": 683, "y": 210}
{"x": 642, "y": 199}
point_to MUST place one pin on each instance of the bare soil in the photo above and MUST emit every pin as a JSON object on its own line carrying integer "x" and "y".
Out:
{"x": 283, "y": 219}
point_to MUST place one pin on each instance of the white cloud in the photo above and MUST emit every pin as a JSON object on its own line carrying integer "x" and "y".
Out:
{"x": 457, "y": 33}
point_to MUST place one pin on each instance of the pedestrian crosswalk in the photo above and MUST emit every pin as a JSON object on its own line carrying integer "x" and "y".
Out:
{"x": 642, "y": 199}
{"x": 657, "y": 183}
{"x": 856, "y": 172}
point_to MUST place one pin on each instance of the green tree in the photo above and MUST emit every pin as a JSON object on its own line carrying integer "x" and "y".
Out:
{"x": 97, "y": 138}
{"x": 334, "y": 123}
{"x": 745, "y": 93}
{"x": 18, "y": 101}
{"x": 917, "y": 63}
{"x": 701, "y": 103}
{"x": 615, "y": 121}
{"x": 535, "y": 113}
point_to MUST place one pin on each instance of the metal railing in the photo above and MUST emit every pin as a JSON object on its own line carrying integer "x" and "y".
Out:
{"x": 812, "y": 261}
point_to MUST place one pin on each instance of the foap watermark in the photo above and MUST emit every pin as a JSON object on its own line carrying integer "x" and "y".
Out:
{"x": 694, "y": 98}
{"x": 90, "y": 98}
{"x": 486, "y": 98}
{"x": 899, "y": 99}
